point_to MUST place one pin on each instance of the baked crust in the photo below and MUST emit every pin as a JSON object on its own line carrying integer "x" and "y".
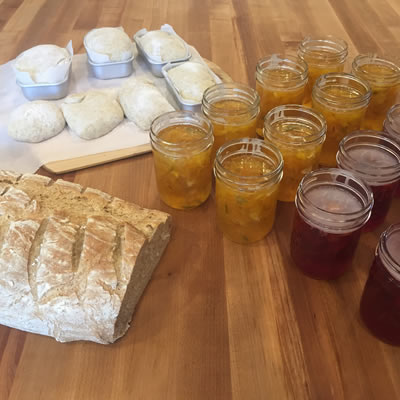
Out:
{"x": 74, "y": 261}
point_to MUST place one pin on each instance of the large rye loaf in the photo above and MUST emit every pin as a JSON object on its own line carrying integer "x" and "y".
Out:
{"x": 74, "y": 261}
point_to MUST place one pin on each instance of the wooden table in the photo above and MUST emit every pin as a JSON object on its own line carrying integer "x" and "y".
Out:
{"x": 218, "y": 320}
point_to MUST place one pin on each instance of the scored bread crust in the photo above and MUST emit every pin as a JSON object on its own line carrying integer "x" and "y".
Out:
{"x": 74, "y": 261}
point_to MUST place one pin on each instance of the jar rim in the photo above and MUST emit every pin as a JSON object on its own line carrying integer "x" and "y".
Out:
{"x": 391, "y": 117}
{"x": 338, "y": 49}
{"x": 288, "y": 62}
{"x": 332, "y": 221}
{"x": 181, "y": 117}
{"x": 249, "y": 146}
{"x": 376, "y": 78}
{"x": 231, "y": 91}
{"x": 341, "y": 79}
{"x": 306, "y": 114}
{"x": 369, "y": 172}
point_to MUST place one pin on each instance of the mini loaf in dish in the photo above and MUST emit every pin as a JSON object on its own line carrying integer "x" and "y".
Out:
{"x": 163, "y": 46}
{"x": 190, "y": 80}
{"x": 35, "y": 121}
{"x": 108, "y": 45}
{"x": 73, "y": 261}
{"x": 46, "y": 63}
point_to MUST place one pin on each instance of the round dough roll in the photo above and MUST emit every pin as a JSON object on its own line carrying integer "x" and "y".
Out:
{"x": 92, "y": 114}
{"x": 36, "y": 121}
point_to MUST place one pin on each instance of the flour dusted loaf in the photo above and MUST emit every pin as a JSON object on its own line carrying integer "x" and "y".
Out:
{"x": 35, "y": 121}
{"x": 73, "y": 261}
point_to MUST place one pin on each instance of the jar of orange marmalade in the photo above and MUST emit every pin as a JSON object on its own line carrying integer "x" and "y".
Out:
{"x": 182, "y": 143}
{"x": 342, "y": 99}
{"x": 247, "y": 175}
{"x": 299, "y": 133}
{"x": 323, "y": 55}
{"x": 380, "y": 302}
{"x": 332, "y": 206}
{"x": 233, "y": 109}
{"x": 383, "y": 77}
{"x": 279, "y": 80}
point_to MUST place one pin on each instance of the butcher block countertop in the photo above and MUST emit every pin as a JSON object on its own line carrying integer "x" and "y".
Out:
{"x": 218, "y": 320}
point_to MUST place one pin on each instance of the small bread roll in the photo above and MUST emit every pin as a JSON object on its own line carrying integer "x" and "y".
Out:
{"x": 143, "y": 102}
{"x": 191, "y": 79}
{"x": 36, "y": 121}
{"x": 92, "y": 114}
{"x": 112, "y": 42}
{"x": 163, "y": 45}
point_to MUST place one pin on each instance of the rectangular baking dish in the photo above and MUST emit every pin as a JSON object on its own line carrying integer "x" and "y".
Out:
{"x": 111, "y": 70}
{"x": 183, "y": 104}
{"x": 156, "y": 66}
{"x": 46, "y": 91}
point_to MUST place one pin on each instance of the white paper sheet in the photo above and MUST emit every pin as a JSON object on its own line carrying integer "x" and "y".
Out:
{"x": 24, "y": 157}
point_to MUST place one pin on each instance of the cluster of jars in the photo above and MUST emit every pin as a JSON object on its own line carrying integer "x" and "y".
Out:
{"x": 308, "y": 114}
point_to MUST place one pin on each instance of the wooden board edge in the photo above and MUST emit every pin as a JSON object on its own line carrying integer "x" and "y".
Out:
{"x": 74, "y": 164}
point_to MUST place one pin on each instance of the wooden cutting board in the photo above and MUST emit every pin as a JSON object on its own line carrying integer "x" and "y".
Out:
{"x": 73, "y": 164}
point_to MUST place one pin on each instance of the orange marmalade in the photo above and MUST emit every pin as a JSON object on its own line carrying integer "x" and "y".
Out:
{"x": 299, "y": 133}
{"x": 342, "y": 99}
{"x": 322, "y": 56}
{"x": 247, "y": 174}
{"x": 384, "y": 78}
{"x": 232, "y": 109}
{"x": 279, "y": 80}
{"x": 182, "y": 158}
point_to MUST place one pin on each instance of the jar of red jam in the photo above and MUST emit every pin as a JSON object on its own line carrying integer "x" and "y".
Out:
{"x": 376, "y": 159}
{"x": 332, "y": 206}
{"x": 391, "y": 127}
{"x": 380, "y": 302}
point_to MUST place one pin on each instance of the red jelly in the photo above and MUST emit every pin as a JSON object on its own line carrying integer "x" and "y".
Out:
{"x": 380, "y": 302}
{"x": 332, "y": 205}
{"x": 375, "y": 158}
{"x": 391, "y": 127}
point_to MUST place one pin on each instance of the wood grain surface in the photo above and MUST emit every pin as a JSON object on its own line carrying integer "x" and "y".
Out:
{"x": 218, "y": 320}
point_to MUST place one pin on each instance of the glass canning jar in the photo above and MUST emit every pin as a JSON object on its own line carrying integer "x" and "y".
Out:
{"x": 247, "y": 175}
{"x": 298, "y": 132}
{"x": 383, "y": 76}
{"x": 233, "y": 109}
{"x": 391, "y": 125}
{"x": 332, "y": 206}
{"x": 380, "y": 301}
{"x": 376, "y": 159}
{"x": 182, "y": 142}
{"x": 342, "y": 99}
{"x": 280, "y": 80}
{"x": 322, "y": 55}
